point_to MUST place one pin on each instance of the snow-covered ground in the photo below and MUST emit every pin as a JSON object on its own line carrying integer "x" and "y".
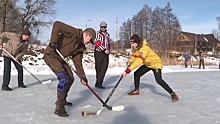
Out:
{"x": 198, "y": 90}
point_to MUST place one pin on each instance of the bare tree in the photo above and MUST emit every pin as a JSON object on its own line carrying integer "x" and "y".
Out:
{"x": 8, "y": 15}
{"x": 160, "y": 27}
{"x": 218, "y": 20}
{"x": 124, "y": 34}
{"x": 33, "y": 14}
{"x": 36, "y": 14}
{"x": 216, "y": 33}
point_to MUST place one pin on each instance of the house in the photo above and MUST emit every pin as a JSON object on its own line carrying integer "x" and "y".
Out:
{"x": 193, "y": 43}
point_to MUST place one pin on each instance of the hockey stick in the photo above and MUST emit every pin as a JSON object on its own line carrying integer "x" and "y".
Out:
{"x": 114, "y": 108}
{"x": 87, "y": 113}
{"x": 42, "y": 82}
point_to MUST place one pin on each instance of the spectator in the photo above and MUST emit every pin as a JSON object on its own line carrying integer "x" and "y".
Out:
{"x": 186, "y": 57}
{"x": 201, "y": 59}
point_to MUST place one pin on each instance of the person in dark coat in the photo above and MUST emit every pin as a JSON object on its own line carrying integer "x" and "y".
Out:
{"x": 70, "y": 42}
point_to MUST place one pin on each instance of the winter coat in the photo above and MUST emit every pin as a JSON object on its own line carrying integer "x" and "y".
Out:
{"x": 144, "y": 55}
{"x": 14, "y": 45}
{"x": 70, "y": 44}
{"x": 187, "y": 57}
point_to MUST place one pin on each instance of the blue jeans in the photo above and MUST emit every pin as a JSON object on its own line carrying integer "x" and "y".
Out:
{"x": 7, "y": 71}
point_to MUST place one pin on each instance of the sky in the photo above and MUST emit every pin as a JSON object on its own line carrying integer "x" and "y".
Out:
{"x": 198, "y": 91}
{"x": 197, "y": 16}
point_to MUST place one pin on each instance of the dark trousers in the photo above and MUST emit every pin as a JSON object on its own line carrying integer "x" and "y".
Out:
{"x": 186, "y": 64}
{"x": 57, "y": 65}
{"x": 157, "y": 74}
{"x": 101, "y": 66}
{"x": 7, "y": 71}
{"x": 201, "y": 61}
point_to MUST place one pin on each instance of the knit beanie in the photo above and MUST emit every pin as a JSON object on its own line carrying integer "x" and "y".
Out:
{"x": 135, "y": 38}
{"x": 26, "y": 32}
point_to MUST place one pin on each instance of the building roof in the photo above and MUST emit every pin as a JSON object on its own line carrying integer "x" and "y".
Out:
{"x": 201, "y": 37}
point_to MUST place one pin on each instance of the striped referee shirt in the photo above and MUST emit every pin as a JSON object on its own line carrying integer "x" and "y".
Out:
{"x": 102, "y": 41}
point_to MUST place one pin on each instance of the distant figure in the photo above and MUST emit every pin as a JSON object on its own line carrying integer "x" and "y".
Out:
{"x": 201, "y": 59}
{"x": 186, "y": 57}
{"x": 191, "y": 60}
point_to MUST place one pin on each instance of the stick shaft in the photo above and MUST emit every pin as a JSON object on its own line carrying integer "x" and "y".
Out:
{"x": 21, "y": 65}
{"x": 113, "y": 90}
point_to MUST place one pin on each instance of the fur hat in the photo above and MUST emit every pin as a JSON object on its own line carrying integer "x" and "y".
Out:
{"x": 135, "y": 38}
{"x": 92, "y": 32}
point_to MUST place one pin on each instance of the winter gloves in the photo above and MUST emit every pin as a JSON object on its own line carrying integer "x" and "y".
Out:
{"x": 53, "y": 45}
{"x": 85, "y": 79}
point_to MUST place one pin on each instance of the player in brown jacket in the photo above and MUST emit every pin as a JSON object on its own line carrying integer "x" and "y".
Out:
{"x": 16, "y": 46}
{"x": 71, "y": 43}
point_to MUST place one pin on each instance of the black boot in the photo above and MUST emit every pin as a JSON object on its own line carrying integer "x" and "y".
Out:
{"x": 68, "y": 104}
{"x": 60, "y": 111}
{"x": 6, "y": 88}
{"x": 21, "y": 86}
{"x": 99, "y": 86}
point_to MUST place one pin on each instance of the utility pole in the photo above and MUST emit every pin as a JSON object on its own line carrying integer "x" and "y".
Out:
{"x": 116, "y": 35}
{"x": 195, "y": 51}
{"x": 87, "y": 21}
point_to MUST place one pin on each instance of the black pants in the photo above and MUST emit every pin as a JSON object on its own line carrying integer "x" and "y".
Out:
{"x": 7, "y": 71}
{"x": 157, "y": 74}
{"x": 101, "y": 66}
{"x": 201, "y": 61}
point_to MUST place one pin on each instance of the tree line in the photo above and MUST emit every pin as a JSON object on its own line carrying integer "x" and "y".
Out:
{"x": 159, "y": 27}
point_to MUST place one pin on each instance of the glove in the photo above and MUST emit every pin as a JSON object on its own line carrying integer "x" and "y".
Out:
{"x": 85, "y": 80}
{"x": 53, "y": 45}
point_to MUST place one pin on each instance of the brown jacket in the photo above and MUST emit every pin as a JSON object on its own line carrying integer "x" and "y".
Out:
{"x": 14, "y": 46}
{"x": 69, "y": 42}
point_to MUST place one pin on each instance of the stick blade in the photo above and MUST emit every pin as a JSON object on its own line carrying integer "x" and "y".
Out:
{"x": 46, "y": 82}
{"x": 87, "y": 113}
{"x": 118, "y": 108}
